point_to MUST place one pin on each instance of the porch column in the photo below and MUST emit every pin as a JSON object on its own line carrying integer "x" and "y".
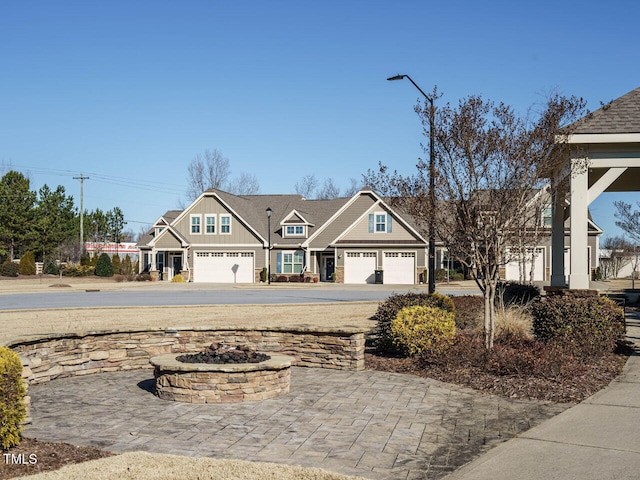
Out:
{"x": 557, "y": 238}
{"x": 578, "y": 185}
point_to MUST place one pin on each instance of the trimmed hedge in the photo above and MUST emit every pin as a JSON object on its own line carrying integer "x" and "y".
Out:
{"x": 13, "y": 411}
{"x": 423, "y": 330}
{"x": 520, "y": 293}
{"x": 585, "y": 326}
{"x": 388, "y": 310}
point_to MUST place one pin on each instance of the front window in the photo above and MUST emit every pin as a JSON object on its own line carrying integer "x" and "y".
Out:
{"x": 546, "y": 217}
{"x": 225, "y": 224}
{"x": 210, "y": 224}
{"x": 381, "y": 222}
{"x": 292, "y": 262}
{"x": 195, "y": 224}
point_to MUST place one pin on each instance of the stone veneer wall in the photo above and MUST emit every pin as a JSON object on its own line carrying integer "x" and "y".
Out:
{"x": 55, "y": 356}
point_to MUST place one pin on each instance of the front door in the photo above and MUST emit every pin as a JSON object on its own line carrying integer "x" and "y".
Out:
{"x": 329, "y": 268}
{"x": 177, "y": 264}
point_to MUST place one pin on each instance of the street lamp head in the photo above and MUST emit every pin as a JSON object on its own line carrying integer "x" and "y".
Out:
{"x": 396, "y": 77}
{"x": 269, "y": 212}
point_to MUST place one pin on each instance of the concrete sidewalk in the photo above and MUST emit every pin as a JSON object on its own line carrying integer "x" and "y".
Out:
{"x": 599, "y": 439}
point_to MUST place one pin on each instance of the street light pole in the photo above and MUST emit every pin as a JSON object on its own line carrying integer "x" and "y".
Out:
{"x": 269, "y": 211}
{"x": 431, "y": 220}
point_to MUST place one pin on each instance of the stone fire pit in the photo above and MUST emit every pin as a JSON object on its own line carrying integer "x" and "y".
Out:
{"x": 221, "y": 382}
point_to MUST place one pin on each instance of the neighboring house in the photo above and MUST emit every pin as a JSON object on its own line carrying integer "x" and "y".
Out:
{"x": 225, "y": 238}
{"x": 122, "y": 249}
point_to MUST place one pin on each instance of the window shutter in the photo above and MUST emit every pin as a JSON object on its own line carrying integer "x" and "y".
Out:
{"x": 371, "y": 220}
{"x": 388, "y": 223}
{"x": 279, "y": 262}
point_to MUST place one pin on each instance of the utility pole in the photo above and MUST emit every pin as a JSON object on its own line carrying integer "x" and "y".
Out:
{"x": 82, "y": 178}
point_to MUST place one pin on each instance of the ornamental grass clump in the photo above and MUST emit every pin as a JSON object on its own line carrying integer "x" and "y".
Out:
{"x": 423, "y": 330}
{"x": 13, "y": 411}
{"x": 177, "y": 279}
{"x": 585, "y": 326}
{"x": 388, "y": 310}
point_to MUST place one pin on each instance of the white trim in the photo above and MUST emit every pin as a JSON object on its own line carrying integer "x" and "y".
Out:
{"x": 191, "y": 224}
{"x": 299, "y": 215}
{"x": 400, "y": 252}
{"x": 614, "y": 162}
{"x": 375, "y": 221}
{"x": 223, "y": 216}
{"x": 166, "y": 231}
{"x": 226, "y": 245}
{"x": 215, "y": 223}
{"x": 604, "y": 138}
{"x": 294, "y": 226}
{"x": 293, "y": 263}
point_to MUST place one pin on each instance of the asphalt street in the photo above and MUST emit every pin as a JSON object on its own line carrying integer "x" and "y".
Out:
{"x": 242, "y": 296}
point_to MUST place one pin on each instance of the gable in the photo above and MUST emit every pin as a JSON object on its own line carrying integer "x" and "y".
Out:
{"x": 168, "y": 240}
{"x": 364, "y": 230}
{"x": 210, "y": 206}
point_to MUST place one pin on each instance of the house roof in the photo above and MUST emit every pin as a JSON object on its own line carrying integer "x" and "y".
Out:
{"x": 252, "y": 208}
{"x": 165, "y": 219}
{"x": 622, "y": 115}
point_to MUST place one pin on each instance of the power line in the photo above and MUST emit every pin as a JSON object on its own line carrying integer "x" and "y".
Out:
{"x": 82, "y": 178}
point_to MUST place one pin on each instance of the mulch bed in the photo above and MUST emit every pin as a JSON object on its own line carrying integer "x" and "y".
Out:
{"x": 33, "y": 456}
{"x": 597, "y": 375}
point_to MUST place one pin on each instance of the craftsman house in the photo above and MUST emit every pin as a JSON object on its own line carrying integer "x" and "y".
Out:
{"x": 226, "y": 238}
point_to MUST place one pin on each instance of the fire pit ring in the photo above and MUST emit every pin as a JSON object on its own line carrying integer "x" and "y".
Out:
{"x": 221, "y": 383}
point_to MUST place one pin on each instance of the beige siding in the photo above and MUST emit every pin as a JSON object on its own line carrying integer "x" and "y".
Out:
{"x": 361, "y": 230}
{"x": 362, "y": 204}
{"x": 210, "y": 205}
{"x": 168, "y": 240}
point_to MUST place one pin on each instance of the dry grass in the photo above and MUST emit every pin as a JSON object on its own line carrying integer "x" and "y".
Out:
{"x": 140, "y": 465}
{"x": 514, "y": 320}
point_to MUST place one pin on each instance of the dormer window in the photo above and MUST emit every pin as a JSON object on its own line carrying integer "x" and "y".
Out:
{"x": 295, "y": 231}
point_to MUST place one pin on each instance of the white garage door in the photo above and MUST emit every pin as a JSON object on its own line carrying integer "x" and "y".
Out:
{"x": 359, "y": 267}
{"x": 223, "y": 267}
{"x": 399, "y": 268}
{"x": 512, "y": 270}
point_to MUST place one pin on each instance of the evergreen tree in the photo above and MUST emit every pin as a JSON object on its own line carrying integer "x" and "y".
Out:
{"x": 104, "y": 268}
{"x": 126, "y": 268}
{"x": 27, "y": 264}
{"x": 16, "y": 213}
{"x": 56, "y": 220}
{"x": 115, "y": 261}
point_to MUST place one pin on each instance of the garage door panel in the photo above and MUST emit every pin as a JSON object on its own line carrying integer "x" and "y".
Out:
{"x": 224, "y": 267}
{"x": 512, "y": 269}
{"x": 359, "y": 267}
{"x": 399, "y": 268}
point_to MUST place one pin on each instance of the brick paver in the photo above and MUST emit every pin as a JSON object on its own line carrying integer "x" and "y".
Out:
{"x": 376, "y": 425}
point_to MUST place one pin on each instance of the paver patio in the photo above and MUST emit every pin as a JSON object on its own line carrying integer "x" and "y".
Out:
{"x": 376, "y": 425}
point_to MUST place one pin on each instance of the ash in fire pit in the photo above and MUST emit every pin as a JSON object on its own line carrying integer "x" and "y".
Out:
{"x": 219, "y": 354}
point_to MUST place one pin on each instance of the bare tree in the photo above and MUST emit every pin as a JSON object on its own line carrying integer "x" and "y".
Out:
{"x": 489, "y": 163}
{"x": 207, "y": 170}
{"x": 354, "y": 187}
{"x": 628, "y": 220}
{"x": 329, "y": 190}
{"x": 619, "y": 256}
{"x": 245, "y": 184}
{"x": 307, "y": 186}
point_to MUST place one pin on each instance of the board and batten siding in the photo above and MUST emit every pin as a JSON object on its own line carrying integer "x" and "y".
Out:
{"x": 361, "y": 205}
{"x": 360, "y": 231}
{"x": 240, "y": 235}
{"x": 167, "y": 240}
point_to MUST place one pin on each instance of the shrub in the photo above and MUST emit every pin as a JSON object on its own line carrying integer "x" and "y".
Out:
{"x": 69, "y": 270}
{"x": 296, "y": 279}
{"x": 520, "y": 293}
{"x": 51, "y": 267}
{"x": 143, "y": 277}
{"x": 125, "y": 267}
{"x": 13, "y": 411}
{"x": 388, "y": 310}
{"x": 263, "y": 275}
{"x": 469, "y": 310}
{"x": 421, "y": 329}
{"x": 585, "y": 326}
{"x": 116, "y": 263}
{"x": 9, "y": 269}
{"x": 104, "y": 268}
{"x": 27, "y": 264}
{"x": 177, "y": 279}
{"x": 85, "y": 259}
{"x": 441, "y": 274}
{"x": 282, "y": 278}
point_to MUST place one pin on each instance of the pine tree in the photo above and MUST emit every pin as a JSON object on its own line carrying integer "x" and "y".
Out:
{"x": 104, "y": 267}
{"x": 116, "y": 263}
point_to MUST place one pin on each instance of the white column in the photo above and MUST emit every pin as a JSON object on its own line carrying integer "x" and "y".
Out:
{"x": 578, "y": 186}
{"x": 557, "y": 238}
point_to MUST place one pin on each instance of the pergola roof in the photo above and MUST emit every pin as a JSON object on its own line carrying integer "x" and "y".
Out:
{"x": 622, "y": 115}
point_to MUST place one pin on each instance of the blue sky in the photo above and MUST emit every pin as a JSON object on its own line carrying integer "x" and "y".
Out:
{"x": 129, "y": 92}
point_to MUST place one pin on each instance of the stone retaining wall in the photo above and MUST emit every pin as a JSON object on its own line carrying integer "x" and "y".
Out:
{"x": 56, "y": 356}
